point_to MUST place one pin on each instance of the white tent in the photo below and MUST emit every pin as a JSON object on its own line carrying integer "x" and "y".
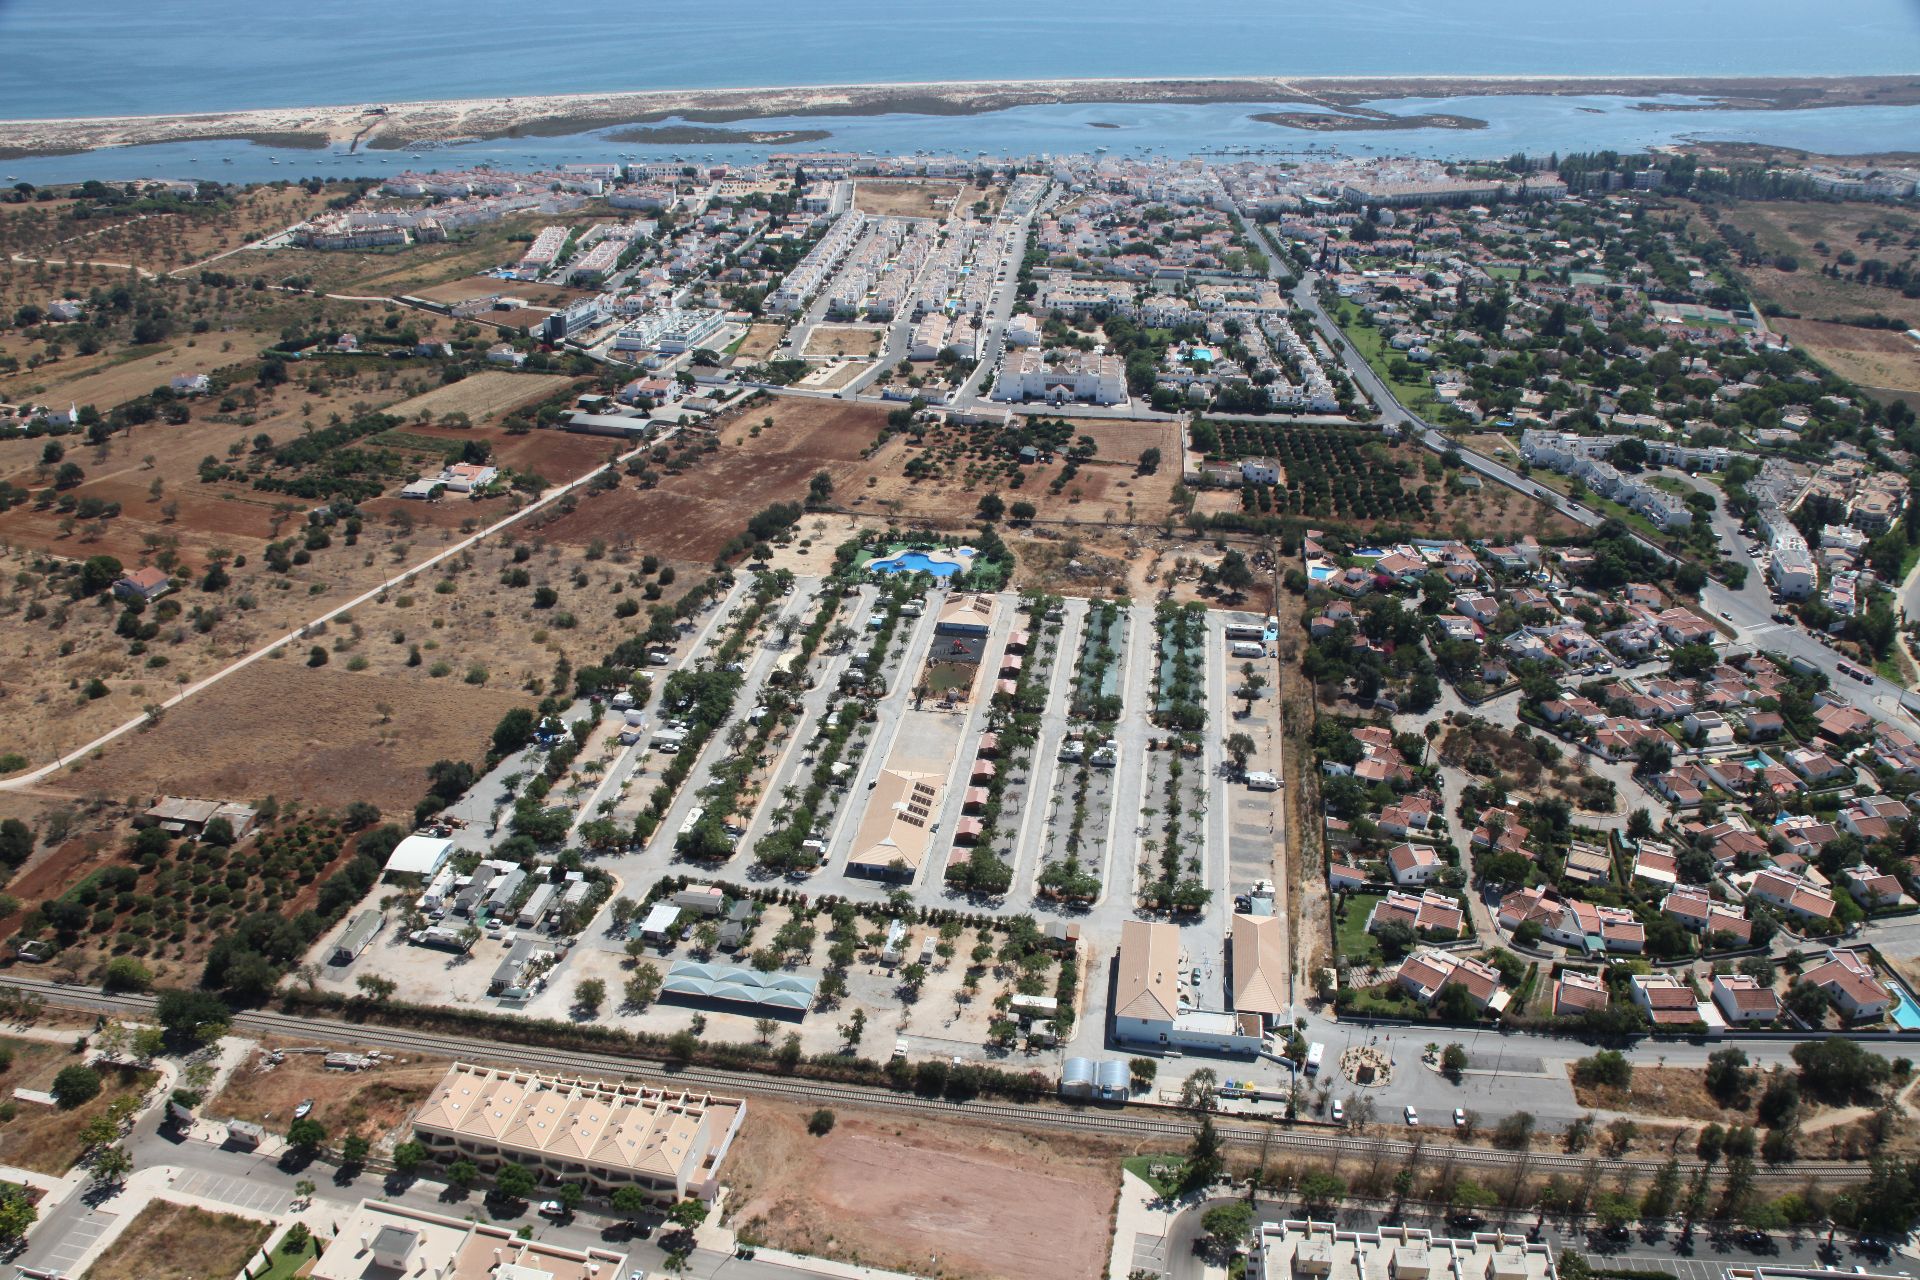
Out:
{"x": 419, "y": 855}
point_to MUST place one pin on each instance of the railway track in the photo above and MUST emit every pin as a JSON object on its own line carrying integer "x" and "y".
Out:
{"x": 1172, "y": 1128}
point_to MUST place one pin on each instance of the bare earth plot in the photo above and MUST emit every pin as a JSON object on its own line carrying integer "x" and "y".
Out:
{"x": 282, "y": 728}
{"x": 843, "y": 340}
{"x": 906, "y": 199}
{"x": 986, "y": 1202}
{"x": 373, "y": 1103}
{"x": 689, "y": 517}
{"x": 760, "y": 341}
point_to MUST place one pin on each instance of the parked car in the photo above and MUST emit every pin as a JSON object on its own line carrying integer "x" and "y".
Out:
{"x": 552, "y": 1209}
{"x": 1339, "y": 1111}
{"x": 1413, "y": 1118}
{"x": 1459, "y": 1117}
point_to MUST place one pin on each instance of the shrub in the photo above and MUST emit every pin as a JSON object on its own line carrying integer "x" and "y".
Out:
{"x": 74, "y": 1086}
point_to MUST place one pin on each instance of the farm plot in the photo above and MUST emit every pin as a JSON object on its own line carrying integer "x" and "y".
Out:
{"x": 1326, "y": 472}
{"x": 689, "y": 516}
{"x": 939, "y": 472}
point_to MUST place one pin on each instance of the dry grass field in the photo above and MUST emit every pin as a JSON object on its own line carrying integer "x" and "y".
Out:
{"x": 844, "y": 340}
{"x": 326, "y": 735}
{"x": 906, "y": 199}
{"x": 879, "y": 1192}
{"x": 1815, "y": 234}
{"x": 47, "y": 1139}
{"x": 179, "y": 1242}
{"x": 1881, "y": 358}
{"x": 373, "y": 1103}
{"x": 481, "y": 395}
{"x": 155, "y": 241}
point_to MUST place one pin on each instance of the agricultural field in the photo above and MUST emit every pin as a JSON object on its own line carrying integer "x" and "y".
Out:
{"x": 233, "y": 476}
{"x": 167, "y": 902}
{"x": 884, "y": 1193}
{"x": 1356, "y": 478}
{"x": 171, "y": 1241}
{"x": 906, "y": 199}
{"x": 480, "y": 395}
{"x": 939, "y": 475}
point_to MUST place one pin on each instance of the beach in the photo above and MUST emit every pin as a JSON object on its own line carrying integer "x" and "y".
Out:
{"x": 403, "y": 125}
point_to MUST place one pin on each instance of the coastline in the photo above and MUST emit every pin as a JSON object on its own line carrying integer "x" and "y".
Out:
{"x": 400, "y": 125}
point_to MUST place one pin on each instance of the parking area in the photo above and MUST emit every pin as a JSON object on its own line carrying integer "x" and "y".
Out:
{"x": 259, "y": 1197}
{"x": 66, "y": 1255}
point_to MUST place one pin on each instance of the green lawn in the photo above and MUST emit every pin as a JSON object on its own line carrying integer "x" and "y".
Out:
{"x": 1373, "y": 345}
{"x": 286, "y": 1262}
{"x": 1167, "y": 1183}
{"x": 1350, "y": 936}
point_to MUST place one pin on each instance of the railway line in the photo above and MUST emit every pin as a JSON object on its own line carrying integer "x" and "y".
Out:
{"x": 1174, "y": 1129}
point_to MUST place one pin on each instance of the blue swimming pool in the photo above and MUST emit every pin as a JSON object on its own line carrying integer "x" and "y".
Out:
{"x": 1905, "y": 1015}
{"x": 915, "y": 562}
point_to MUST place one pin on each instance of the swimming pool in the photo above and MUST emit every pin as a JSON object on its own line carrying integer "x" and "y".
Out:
{"x": 941, "y": 564}
{"x": 1905, "y": 1014}
{"x": 1320, "y": 572}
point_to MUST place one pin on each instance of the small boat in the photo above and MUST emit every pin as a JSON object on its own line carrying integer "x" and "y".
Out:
{"x": 305, "y": 1109}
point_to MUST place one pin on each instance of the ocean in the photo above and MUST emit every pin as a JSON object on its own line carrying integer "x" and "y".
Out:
{"x": 138, "y": 57}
